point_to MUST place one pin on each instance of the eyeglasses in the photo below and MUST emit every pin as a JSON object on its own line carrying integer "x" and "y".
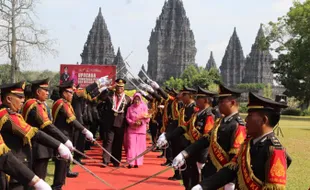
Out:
{"x": 69, "y": 91}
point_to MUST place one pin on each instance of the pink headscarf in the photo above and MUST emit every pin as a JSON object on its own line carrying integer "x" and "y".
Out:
{"x": 138, "y": 108}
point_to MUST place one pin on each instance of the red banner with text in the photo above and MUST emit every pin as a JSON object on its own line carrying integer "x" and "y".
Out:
{"x": 86, "y": 74}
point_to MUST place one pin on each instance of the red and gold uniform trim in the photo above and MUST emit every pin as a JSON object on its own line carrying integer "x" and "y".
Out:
{"x": 217, "y": 155}
{"x": 68, "y": 110}
{"x": 276, "y": 170}
{"x": 19, "y": 125}
{"x": 175, "y": 109}
{"x": 193, "y": 133}
{"x": 3, "y": 148}
{"x": 239, "y": 137}
{"x": 41, "y": 112}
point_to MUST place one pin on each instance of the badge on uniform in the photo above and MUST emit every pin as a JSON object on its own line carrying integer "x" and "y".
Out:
{"x": 115, "y": 114}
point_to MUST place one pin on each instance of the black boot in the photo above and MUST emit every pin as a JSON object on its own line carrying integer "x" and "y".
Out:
{"x": 176, "y": 176}
{"x": 71, "y": 174}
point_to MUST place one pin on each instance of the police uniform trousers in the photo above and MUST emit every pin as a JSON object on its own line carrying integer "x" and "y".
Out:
{"x": 113, "y": 144}
{"x": 169, "y": 155}
{"x": 13, "y": 167}
{"x": 190, "y": 175}
{"x": 174, "y": 144}
{"x": 154, "y": 131}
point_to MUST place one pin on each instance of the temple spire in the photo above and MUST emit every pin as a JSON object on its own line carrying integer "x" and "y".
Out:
{"x": 211, "y": 62}
{"x": 258, "y": 64}
{"x": 172, "y": 43}
{"x": 120, "y": 64}
{"x": 98, "y": 49}
{"x": 233, "y": 61}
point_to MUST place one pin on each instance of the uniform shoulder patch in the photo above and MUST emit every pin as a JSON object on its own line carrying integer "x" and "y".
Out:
{"x": 240, "y": 120}
{"x": 275, "y": 142}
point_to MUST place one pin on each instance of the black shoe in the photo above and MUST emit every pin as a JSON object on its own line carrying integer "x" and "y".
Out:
{"x": 175, "y": 177}
{"x": 166, "y": 164}
{"x": 116, "y": 165}
{"x": 71, "y": 174}
{"x": 129, "y": 166}
{"x": 136, "y": 166}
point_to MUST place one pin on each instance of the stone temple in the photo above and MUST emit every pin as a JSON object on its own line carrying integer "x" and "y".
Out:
{"x": 233, "y": 62}
{"x": 211, "y": 62}
{"x": 99, "y": 50}
{"x": 172, "y": 44}
{"x": 258, "y": 63}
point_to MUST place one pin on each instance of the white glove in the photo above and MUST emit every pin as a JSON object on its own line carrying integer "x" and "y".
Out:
{"x": 197, "y": 187}
{"x": 42, "y": 185}
{"x": 229, "y": 186}
{"x": 161, "y": 106}
{"x": 143, "y": 93}
{"x": 89, "y": 136}
{"x": 178, "y": 161}
{"x": 200, "y": 165}
{"x": 64, "y": 152}
{"x": 147, "y": 88}
{"x": 102, "y": 88}
{"x": 69, "y": 145}
{"x": 162, "y": 140}
{"x": 154, "y": 85}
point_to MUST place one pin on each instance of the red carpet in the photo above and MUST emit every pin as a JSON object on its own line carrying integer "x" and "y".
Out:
{"x": 123, "y": 176}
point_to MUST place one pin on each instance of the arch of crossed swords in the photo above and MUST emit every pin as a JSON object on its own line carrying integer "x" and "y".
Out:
{"x": 149, "y": 176}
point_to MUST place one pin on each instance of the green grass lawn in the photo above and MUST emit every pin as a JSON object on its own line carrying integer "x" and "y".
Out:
{"x": 297, "y": 142}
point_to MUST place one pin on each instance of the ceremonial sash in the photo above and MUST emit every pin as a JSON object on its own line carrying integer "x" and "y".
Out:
{"x": 154, "y": 110}
{"x": 3, "y": 117}
{"x": 182, "y": 122}
{"x": 217, "y": 155}
{"x": 175, "y": 109}
{"x": 118, "y": 104}
{"x": 192, "y": 132}
{"x": 165, "y": 116}
{"x": 275, "y": 169}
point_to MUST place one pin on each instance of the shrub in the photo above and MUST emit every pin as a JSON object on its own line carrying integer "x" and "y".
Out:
{"x": 243, "y": 108}
{"x": 292, "y": 111}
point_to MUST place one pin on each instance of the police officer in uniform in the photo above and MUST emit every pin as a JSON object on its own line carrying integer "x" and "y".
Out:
{"x": 262, "y": 161}
{"x": 35, "y": 113}
{"x": 118, "y": 103}
{"x": 178, "y": 134}
{"x": 223, "y": 141}
{"x": 17, "y": 134}
{"x": 10, "y": 165}
{"x": 65, "y": 120}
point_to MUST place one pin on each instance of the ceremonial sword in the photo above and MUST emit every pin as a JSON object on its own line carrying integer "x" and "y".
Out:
{"x": 86, "y": 156}
{"x": 107, "y": 152}
{"x": 145, "y": 179}
{"x": 93, "y": 174}
{"x": 137, "y": 157}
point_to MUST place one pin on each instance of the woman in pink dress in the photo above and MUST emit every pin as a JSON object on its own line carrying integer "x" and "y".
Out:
{"x": 137, "y": 118}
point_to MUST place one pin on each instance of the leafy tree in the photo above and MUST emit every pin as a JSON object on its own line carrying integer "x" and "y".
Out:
{"x": 5, "y": 73}
{"x": 254, "y": 87}
{"x": 194, "y": 76}
{"x": 290, "y": 38}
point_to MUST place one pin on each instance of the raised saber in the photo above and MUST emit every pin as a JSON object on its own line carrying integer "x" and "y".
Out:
{"x": 145, "y": 179}
{"x": 148, "y": 78}
{"x": 93, "y": 174}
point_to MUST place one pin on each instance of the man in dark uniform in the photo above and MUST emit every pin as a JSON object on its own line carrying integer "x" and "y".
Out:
{"x": 118, "y": 102}
{"x": 223, "y": 141}
{"x": 17, "y": 134}
{"x": 65, "y": 121}
{"x": 10, "y": 165}
{"x": 262, "y": 161}
{"x": 35, "y": 113}
{"x": 169, "y": 123}
{"x": 178, "y": 134}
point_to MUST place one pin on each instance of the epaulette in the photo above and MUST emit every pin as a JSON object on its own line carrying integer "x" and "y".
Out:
{"x": 275, "y": 142}
{"x": 240, "y": 120}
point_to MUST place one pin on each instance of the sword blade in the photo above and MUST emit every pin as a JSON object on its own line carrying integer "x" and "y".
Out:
{"x": 135, "y": 158}
{"x": 145, "y": 179}
{"x": 93, "y": 174}
{"x": 108, "y": 153}
{"x": 86, "y": 156}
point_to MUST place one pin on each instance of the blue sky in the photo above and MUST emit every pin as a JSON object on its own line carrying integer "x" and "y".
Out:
{"x": 130, "y": 23}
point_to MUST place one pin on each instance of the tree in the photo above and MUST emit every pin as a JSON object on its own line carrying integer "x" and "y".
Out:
{"x": 194, "y": 76}
{"x": 290, "y": 38}
{"x": 19, "y": 33}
